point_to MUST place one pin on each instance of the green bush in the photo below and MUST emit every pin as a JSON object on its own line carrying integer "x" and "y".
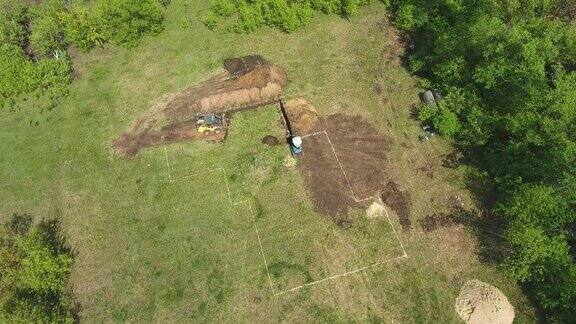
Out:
{"x": 16, "y": 71}
{"x": 224, "y": 8}
{"x": 285, "y": 15}
{"x": 82, "y": 29}
{"x": 249, "y": 18}
{"x": 125, "y": 22}
{"x": 12, "y": 16}
{"x": 426, "y": 113}
{"x": 210, "y": 21}
{"x": 281, "y": 15}
{"x": 35, "y": 266}
{"x": 409, "y": 17}
{"x": 48, "y": 78}
{"x": 446, "y": 122}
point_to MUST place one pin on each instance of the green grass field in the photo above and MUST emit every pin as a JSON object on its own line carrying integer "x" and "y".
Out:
{"x": 172, "y": 234}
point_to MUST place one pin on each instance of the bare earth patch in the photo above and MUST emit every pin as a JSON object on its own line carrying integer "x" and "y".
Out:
{"x": 248, "y": 82}
{"x": 359, "y": 171}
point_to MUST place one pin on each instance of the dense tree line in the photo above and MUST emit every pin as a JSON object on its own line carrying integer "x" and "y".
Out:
{"x": 35, "y": 65}
{"x": 34, "y": 268}
{"x": 507, "y": 72}
{"x": 285, "y": 15}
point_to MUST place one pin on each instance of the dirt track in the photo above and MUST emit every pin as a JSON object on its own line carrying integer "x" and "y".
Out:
{"x": 248, "y": 82}
{"x": 361, "y": 151}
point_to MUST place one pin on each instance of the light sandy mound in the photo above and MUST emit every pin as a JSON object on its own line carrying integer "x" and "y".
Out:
{"x": 302, "y": 114}
{"x": 376, "y": 210}
{"x": 481, "y": 303}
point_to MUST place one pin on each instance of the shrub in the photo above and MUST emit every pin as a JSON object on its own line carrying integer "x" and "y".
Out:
{"x": 34, "y": 266}
{"x": 15, "y": 71}
{"x": 210, "y": 21}
{"x": 446, "y": 122}
{"x": 12, "y": 16}
{"x": 49, "y": 78}
{"x": 327, "y": 6}
{"x": 279, "y": 14}
{"x": 125, "y": 22}
{"x": 82, "y": 29}
{"x": 285, "y": 15}
{"x": 224, "y": 8}
{"x": 426, "y": 113}
{"x": 415, "y": 64}
{"x": 409, "y": 17}
{"x": 249, "y": 18}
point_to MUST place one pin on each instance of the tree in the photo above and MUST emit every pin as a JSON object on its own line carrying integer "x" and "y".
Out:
{"x": 81, "y": 28}
{"x": 506, "y": 69}
{"x": 47, "y": 29}
{"x": 125, "y": 22}
{"x": 12, "y": 17}
{"x": 34, "y": 269}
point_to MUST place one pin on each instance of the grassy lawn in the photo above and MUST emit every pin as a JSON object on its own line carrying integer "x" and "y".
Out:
{"x": 170, "y": 235}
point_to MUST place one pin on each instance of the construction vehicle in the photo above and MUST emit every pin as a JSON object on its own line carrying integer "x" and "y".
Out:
{"x": 209, "y": 123}
{"x": 294, "y": 140}
{"x": 296, "y": 145}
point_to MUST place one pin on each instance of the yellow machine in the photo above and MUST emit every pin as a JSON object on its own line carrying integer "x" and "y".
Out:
{"x": 207, "y": 129}
{"x": 209, "y": 123}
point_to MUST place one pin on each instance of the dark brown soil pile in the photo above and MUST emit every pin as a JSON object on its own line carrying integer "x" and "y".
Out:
{"x": 249, "y": 82}
{"x": 242, "y": 65}
{"x": 270, "y": 140}
{"x": 399, "y": 202}
{"x": 435, "y": 221}
{"x": 361, "y": 151}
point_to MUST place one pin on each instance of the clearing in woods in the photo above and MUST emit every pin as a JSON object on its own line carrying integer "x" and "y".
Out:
{"x": 153, "y": 246}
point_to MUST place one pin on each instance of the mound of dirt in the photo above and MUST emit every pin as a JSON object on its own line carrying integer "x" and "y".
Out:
{"x": 302, "y": 114}
{"x": 249, "y": 82}
{"x": 352, "y": 145}
{"x": 243, "y": 65}
{"x": 399, "y": 202}
{"x": 270, "y": 140}
{"x": 481, "y": 303}
{"x": 435, "y": 221}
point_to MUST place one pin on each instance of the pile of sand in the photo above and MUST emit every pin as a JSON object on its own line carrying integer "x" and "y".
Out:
{"x": 302, "y": 114}
{"x": 259, "y": 85}
{"x": 376, "y": 210}
{"x": 481, "y": 303}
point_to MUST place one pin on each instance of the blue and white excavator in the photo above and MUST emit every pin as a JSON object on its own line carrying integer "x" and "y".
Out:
{"x": 296, "y": 145}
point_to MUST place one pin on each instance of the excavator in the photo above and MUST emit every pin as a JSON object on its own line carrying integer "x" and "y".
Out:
{"x": 210, "y": 123}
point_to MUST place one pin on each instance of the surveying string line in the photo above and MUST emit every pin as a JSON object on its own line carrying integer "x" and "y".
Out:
{"x": 394, "y": 230}
{"x": 261, "y": 248}
{"x": 340, "y": 165}
{"x": 229, "y": 194}
{"x": 260, "y": 241}
{"x": 167, "y": 164}
{"x": 339, "y": 275}
{"x": 404, "y": 255}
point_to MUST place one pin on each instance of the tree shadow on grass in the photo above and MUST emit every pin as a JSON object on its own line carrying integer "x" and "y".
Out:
{"x": 489, "y": 229}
